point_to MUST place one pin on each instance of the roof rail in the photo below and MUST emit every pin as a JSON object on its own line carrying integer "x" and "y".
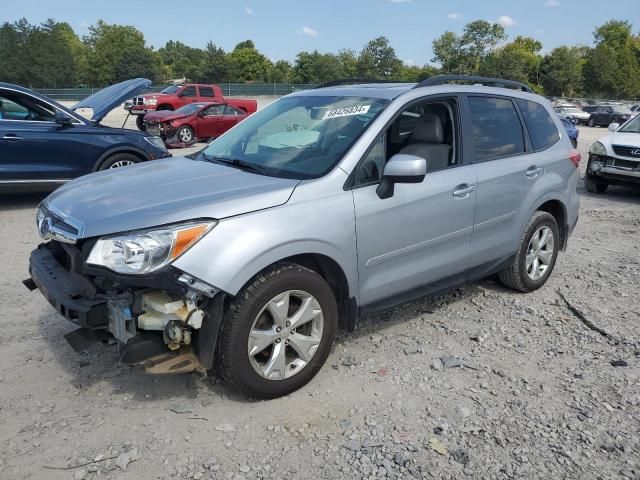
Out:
{"x": 353, "y": 81}
{"x": 488, "y": 81}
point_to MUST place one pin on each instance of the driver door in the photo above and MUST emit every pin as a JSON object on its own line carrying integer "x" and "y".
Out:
{"x": 35, "y": 149}
{"x": 419, "y": 239}
{"x": 210, "y": 121}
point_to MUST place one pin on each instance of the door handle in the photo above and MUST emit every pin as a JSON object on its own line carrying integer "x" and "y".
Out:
{"x": 463, "y": 191}
{"x": 10, "y": 137}
{"x": 532, "y": 172}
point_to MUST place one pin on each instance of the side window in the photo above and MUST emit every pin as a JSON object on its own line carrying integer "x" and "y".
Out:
{"x": 10, "y": 110}
{"x": 370, "y": 170}
{"x": 214, "y": 110}
{"x": 17, "y": 106}
{"x": 229, "y": 110}
{"x": 496, "y": 128}
{"x": 424, "y": 129}
{"x": 206, "y": 91}
{"x": 189, "y": 91}
{"x": 542, "y": 129}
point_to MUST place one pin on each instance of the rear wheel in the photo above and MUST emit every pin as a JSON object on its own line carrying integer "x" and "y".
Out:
{"x": 278, "y": 331}
{"x": 119, "y": 160}
{"x": 594, "y": 186}
{"x": 536, "y": 254}
{"x": 140, "y": 123}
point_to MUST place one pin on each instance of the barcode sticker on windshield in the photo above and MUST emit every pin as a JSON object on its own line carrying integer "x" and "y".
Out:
{"x": 346, "y": 111}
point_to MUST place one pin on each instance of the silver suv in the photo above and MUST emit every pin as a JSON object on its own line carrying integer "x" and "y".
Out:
{"x": 328, "y": 204}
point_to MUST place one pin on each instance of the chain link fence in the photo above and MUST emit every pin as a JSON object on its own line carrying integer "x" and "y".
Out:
{"x": 229, "y": 90}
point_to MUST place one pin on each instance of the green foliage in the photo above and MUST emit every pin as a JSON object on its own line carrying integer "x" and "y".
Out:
{"x": 52, "y": 55}
{"x": 378, "y": 60}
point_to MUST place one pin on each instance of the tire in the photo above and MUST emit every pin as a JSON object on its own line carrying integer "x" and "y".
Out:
{"x": 518, "y": 275}
{"x": 592, "y": 122}
{"x": 574, "y": 143}
{"x": 185, "y": 135}
{"x": 119, "y": 160}
{"x": 248, "y": 312}
{"x": 594, "y": 186}
{"x": 140, "y": 123}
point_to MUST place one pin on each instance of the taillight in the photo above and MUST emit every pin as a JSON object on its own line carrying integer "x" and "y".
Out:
{"x": 575, "y": 158}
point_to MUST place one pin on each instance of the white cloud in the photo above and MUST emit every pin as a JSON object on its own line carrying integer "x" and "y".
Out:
{"x": 506, "y": 21}
{"x": 248, "y": 10}
{"x": 409, "y": 62}
{"x": 552, "y": 3}
{"x": 454, "y": 16}
{"x": 84, "y": 24}
{"x": 308, "y": 31}
{"x": 400, "y": 1}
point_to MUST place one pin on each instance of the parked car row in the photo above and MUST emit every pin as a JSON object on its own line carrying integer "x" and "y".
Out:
{"x": 596, "y": 115}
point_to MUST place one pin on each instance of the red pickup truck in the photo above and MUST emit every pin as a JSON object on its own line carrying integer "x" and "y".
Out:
{"x": 176, "y": 96}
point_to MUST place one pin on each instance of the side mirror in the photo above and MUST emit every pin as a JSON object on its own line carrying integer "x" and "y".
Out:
{"x": 62, "y": 119}
{"x": 614, "y": 126}
{"x": 401, "y": 168}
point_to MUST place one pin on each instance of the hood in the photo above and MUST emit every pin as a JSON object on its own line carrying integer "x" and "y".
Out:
{"x": 161, "y": 192}
{"x": 622, "y": 138}
{"x": 105, "y": 100}
{"x": 165, "y": 116}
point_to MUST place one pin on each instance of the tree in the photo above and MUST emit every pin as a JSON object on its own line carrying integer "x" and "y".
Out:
{"x": 316, "y": 67}
{"x": 248, "y": 64}
{"x": 518, "y": 60}
{"x": 613, "y": 66}
{"x": 215, "y": 66}
{"x": 378, "y": 60}
{"x": 280, "y": 72}
{"x": 13, "y": 41}
{"x": 464, "y": 54}
{"x": 118, "y": 52}
{"x": 561, "y": 71}
{"x": 182, "y": 61}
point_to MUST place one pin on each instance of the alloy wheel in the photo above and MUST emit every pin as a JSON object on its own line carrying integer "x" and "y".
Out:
{"x": 185, "y": 135}
{"x": 540, "y": 252}
{"x": 122, "y": 163}
{"x": 285, "y": 335}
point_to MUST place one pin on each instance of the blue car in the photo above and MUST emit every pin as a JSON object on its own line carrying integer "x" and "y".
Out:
{"x": 44, "y": 145}
{"x": 572, "y": 131}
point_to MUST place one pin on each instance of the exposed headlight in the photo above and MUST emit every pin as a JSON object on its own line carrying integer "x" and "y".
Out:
{"x": 597, "y": 149}
{"x": 156, "y": 142}
{"x": 146, "y": 251}
{"x": 149, "y": 101}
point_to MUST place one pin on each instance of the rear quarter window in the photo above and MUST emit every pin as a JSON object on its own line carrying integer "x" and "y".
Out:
{"x": 497, "y": 131}
{"x": 542, "y": 129}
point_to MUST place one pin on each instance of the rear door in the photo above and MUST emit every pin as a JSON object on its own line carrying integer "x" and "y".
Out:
{"x": 512, "y": 162}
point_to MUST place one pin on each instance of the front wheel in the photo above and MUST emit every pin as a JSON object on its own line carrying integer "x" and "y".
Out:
{"x": 185, "y": 135}
{"x": 592, "y": 122}
{"x": 278, "y": 331}
{"x": 536, "y": 255}
{"x": 119, "y": 160}
{"x": 140, "y": 123}
{"x": 594, "y": 186}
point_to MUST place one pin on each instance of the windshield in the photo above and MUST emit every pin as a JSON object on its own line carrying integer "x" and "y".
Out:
{"x": 297, "y": 137}
{"x": 190, "y": 108}
{"x": 632, "y": 126}
{"x": 621, "y": 110}
{"x": 170, "y": 89}
{"x": 573, "y": 110}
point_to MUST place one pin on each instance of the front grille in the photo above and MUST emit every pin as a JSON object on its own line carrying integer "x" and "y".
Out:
{"x": 630, "y": 164}
{"x": 138, "y": 101}
{"x": 625, "y": 151}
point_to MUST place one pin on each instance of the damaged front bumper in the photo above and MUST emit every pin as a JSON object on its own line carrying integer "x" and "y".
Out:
{"x": 167, "y": 322}
{"x": 614, "y": 170}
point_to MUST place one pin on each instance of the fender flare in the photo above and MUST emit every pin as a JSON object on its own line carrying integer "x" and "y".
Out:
{"x": 122, "y": 149}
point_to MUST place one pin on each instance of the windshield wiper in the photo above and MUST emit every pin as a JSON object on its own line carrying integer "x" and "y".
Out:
{"x": 237, "y": 163}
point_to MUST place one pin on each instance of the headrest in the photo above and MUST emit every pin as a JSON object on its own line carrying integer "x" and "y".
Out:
{"x": 428, "y": 129}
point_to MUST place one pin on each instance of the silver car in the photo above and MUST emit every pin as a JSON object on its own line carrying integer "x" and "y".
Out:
{"x": 328, "y": 204}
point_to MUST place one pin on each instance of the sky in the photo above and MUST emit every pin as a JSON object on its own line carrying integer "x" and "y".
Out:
{"x": 281, "y": 28}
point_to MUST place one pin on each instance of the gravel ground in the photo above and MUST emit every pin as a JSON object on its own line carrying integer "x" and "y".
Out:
{"x": 478, "y": 383}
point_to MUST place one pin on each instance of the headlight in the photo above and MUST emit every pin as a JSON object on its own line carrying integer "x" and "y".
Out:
{"x": 597, "y": 149}
{"x": 146, "y": 251}
{"x": 156, "y": 142}
{"x": 150, "y": 101}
